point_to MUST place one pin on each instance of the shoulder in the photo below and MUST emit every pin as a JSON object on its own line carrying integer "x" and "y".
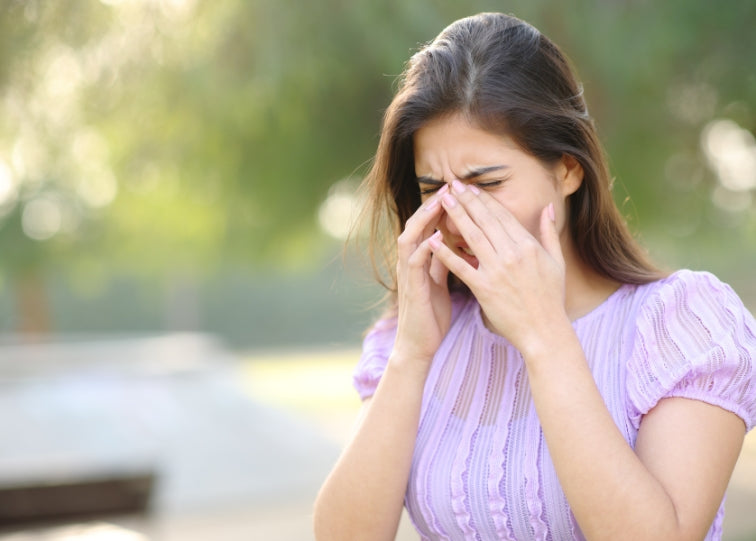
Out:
{"x": 692, "y": 305}
{"x": 684, "y": 285}
{"x": 694, "y": 338}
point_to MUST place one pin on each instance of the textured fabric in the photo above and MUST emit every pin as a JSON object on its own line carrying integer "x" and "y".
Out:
{"x": 481, "y": 468}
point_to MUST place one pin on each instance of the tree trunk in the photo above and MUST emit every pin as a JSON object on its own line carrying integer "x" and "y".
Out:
{"x": 32, "y": 306}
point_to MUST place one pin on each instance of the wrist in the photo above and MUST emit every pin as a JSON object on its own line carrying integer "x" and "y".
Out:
{"x": 550, "y": 342}
{"x": 409, "y": 364}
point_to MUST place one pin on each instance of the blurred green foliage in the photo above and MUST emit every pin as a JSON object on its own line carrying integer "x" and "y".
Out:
{"x": 162, "y": 136}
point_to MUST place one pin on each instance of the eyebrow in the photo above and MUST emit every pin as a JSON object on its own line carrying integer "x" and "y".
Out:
{"x": 473, "y": 173}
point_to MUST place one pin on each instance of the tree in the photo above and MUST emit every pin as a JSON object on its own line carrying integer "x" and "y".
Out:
{"x": 153, "y": 135}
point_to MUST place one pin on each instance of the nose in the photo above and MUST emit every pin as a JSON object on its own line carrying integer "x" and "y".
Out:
{"x": 450, "y": 227}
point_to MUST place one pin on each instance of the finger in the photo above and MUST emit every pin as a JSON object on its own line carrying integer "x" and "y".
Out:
{"x": 438, "y": 271}
{"x": 455, "y": 264}
{"x": 550, "y": 235}
{"x": 477, "y": 240}
{"x": 429, "y": 210}
{"x": 434, "y": 200}
{"x": 419, "y": 265}
{"x": 482, "y": 214}
{"x": 480, "y": 198}
{"x": 420, "y": 225}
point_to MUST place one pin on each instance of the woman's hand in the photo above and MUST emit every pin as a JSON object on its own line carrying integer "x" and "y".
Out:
{"x": 519, "y": 281}
{"x": 423, "y": 295}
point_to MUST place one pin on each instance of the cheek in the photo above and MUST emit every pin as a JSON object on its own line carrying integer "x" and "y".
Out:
{"x": 532, "y": 222}
{"x": 527, "y": 212}
{"x": 527, "y": 206}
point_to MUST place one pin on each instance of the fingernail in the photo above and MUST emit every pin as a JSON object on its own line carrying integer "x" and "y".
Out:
{"x": 474, "y": 189}
{"x": 457, "y": 186}
{"x": 430, "y": 205}
{"x": 551, "y": 212}
{"x": 449, "y": 201}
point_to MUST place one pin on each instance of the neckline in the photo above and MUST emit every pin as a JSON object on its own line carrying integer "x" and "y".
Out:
{"x": 598, "y": 309}
{"x": 602, "y": 305}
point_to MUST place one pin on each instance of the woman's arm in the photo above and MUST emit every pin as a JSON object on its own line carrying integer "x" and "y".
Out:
{"x": 363, "y": 496}
{"x": 669, "y": 488}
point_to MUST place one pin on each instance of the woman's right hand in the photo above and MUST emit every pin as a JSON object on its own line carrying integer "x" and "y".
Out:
{"x": 423, "y": 295}
{"x": 363, "y": 495}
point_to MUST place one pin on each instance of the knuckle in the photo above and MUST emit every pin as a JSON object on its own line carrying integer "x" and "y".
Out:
{"x": 530, "y": 246}
{"x": 475, "y": 236}
{"x": 510, "y": 258}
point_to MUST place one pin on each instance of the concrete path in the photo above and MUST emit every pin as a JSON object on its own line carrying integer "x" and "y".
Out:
{"x": 240, "y": 445}
{"x": 176, "y": 405}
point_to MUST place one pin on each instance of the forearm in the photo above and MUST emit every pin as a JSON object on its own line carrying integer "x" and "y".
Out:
{"x": 611, "y": 492}
{"x": 363, "y": 496}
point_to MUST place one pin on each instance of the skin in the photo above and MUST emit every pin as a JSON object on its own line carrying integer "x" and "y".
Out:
{"x": 503, "y": 234}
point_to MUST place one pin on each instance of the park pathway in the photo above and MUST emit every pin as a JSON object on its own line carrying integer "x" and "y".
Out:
{"x": 239, "y": 444}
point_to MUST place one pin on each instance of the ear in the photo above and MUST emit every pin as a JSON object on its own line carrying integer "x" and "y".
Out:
{"x": 569, "y": 174}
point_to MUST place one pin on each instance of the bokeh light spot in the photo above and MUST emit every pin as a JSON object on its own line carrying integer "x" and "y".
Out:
{"x": 42, "y": 218}
{"x": 337, "y": 213}
{"x": 731, "y": 153}
{"x": 8, "y": 192}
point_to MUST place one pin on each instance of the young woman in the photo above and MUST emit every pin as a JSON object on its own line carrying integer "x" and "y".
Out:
{"x": 536, "y": 377}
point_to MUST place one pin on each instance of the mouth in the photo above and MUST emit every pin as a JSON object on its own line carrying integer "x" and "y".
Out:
{"x": 467, "y": 254}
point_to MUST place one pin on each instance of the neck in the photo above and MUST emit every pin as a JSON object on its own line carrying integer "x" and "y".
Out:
{"x": 585, "y": 289}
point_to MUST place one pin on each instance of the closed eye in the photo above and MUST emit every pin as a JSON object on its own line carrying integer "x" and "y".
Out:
{"x": 434, "y": 186}
{"x": 429, "y": 185}
{"x": 432, "y": 189}
{"x": 488, "y": 184}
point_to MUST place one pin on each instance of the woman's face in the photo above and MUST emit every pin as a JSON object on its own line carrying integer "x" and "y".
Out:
{"x": 449, "y": 148}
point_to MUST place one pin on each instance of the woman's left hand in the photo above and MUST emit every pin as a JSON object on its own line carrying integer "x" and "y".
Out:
{"x": 519, "y": 281}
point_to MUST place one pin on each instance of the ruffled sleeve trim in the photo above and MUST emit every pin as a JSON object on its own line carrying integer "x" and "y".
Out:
{"x": 696, "y": 340}
{"x": 375, "y": 353}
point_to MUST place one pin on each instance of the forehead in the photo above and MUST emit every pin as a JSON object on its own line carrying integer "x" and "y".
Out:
{"x": 452, "y": 141}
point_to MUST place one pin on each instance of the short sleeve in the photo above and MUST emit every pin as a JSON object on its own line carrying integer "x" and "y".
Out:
{"x": 694, "y": 339}
{"x": 376, "y": 349}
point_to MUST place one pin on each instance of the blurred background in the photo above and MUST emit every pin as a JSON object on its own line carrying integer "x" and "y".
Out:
{"x": 178, "y": 322}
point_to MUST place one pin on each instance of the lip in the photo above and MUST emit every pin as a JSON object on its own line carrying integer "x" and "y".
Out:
{"x": 465, "y": 253}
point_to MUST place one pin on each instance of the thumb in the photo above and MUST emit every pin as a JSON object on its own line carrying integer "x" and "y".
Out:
{"x": 438, "y": 271}
{"x": 550, "y": 235}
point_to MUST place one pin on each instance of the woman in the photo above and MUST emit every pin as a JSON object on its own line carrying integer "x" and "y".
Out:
{"x": 536, "y": 376}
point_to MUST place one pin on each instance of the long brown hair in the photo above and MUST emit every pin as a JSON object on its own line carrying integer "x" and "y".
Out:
{"x": 507, "y": 78}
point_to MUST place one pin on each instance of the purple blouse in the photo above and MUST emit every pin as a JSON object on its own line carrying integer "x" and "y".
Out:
{"x": 481, "y": 468}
